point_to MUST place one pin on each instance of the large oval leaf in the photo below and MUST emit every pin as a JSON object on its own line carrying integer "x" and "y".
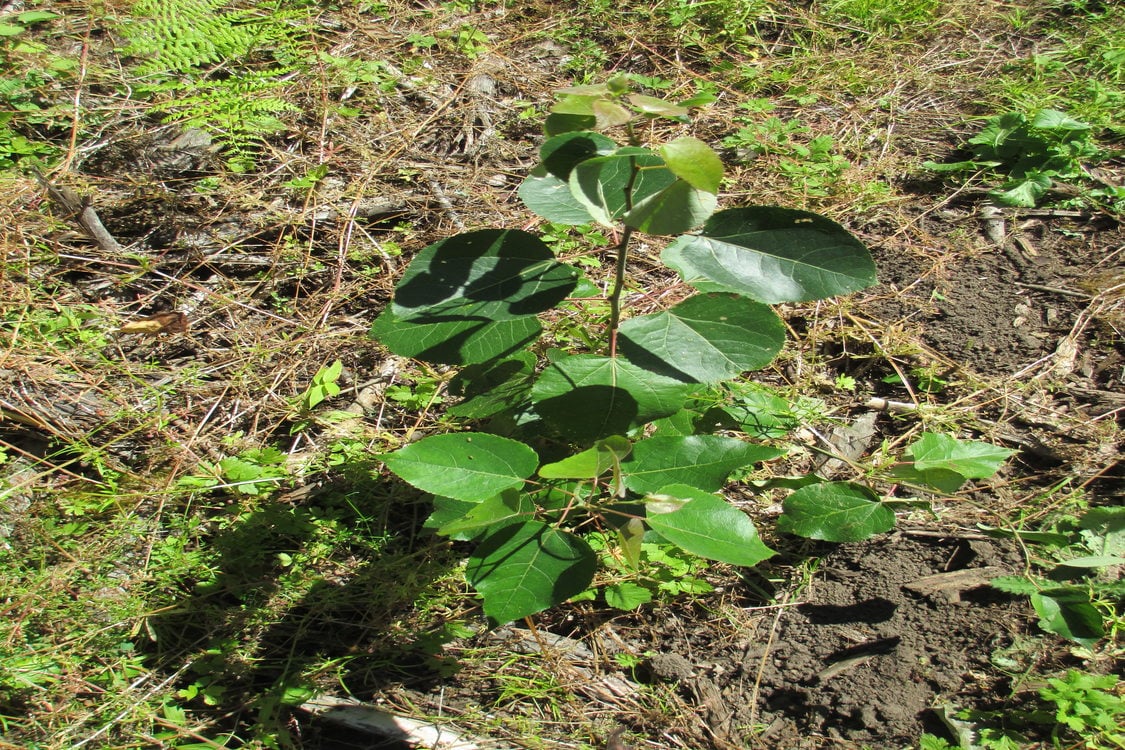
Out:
{"x": 705, "y": 338}
{"x": 473, "y": 297}
{"x": 585, "y": 397}
{"x": 708, "y": 526}
{"x": 773, "y": 255}
{"x": 463, "y": 466}
{"x": 524, "y": 568}
{"x": 835, "y": 512}
{"x": 703, "y": 461}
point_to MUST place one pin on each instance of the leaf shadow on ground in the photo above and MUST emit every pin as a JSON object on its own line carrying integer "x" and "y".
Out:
{"x": 349, "y": 632}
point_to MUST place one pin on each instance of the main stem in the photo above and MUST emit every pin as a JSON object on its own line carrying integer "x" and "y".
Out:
{"x": 618, "y": 287}
{"x": 622, "y": 258}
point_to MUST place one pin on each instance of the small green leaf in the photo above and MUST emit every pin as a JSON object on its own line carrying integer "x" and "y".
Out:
{"x": 695, "y": 162}
{"x": 942, "y": 480}
{"x": 654, "y": 107}
{"x": 1068, "y": 617}
{"x": 587, "y": 90}
{"x": 706, "y": 338}
{"x": 835, "y": 512}
{"x": 591, "y": 463}
{"x": 36, "y": 16}
{"x": 1093, "y": 561}
{"x": 630, "y": 537}
{"x": 710, "y": 527}
{"x": 586, "y": 397}
{"x": 772, "y": 255}
{"x": 446, "y": 511}
{"x": 576, "y": 103}
{"x": 969, "y": 458}
{"x": 609, "y": 114}
{"x": 524, "y": 568}
{"x": 626, "y": 596}
{"x": 507, "y": 507}
{"x": 677, "y": 208}
{"x": 470, "y": 467}
{"x": 702, "y": 461}
{"x": 607, "y": 186}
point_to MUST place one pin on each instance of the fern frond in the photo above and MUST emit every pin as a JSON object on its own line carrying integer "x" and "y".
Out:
{"x": 217, "y": 67}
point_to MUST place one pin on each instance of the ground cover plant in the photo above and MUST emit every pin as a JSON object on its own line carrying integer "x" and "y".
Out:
{"x": 868, "y": 504}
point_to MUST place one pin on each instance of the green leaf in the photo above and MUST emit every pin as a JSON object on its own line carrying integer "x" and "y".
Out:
{"x": 626, "y": 596}
{"x": 446, "y": 511}
{"x": 493, "y": 387}
{"x": 549, "y": 197}
{"x": 557, "y": 123}
{"x": 702, "y": 461}
{"x": 654, "y": 107}
{"x": 772, "y": 255}
{"x": 942, "y": 480}
{"x": 705, "y": 338}
{"x": 577, "y": 102}
{"x": 607, "y": 186}
{"x": 507, "y": 507}
{"x": 560, "y": 154}
{"x": 463, "y": 466}
{"x": 593, "y": 462}
{"x": 1050, "y": 538}
{"x": 586, "y": 397}
{"x": 545, "y": 191}
{"x": 969, "y": 458}
{"x": 630, "y": 538}
{"x": 524, "y": 568}
{"x": 1024, "y": 192}
{"x": 1014, "y": 585}
{"x": 1052, "y": 119}
{"x": 1093, "y": 561}
{"x": 835, "y": 512}
{"x": 474, "y": 297}
{"x": 695, "y": 162}
{"x": 710, "y": 527}
{"x": 609, "y": 114}
{"x": 1072, "y": 618}
{"x": 677, "y": 208}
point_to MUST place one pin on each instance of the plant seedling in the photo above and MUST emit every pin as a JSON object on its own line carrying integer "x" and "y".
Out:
{"x": 565, "y": 441}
